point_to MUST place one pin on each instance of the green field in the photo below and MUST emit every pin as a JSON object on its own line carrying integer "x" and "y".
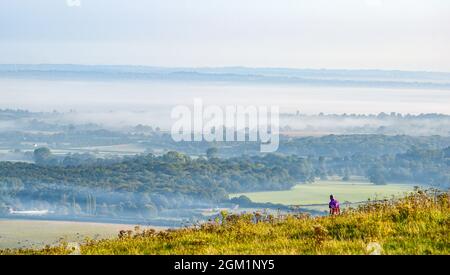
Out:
{"x": 319, "y": 192}
{"x": 119, "y": 149}
{"x": 34, "y": 233}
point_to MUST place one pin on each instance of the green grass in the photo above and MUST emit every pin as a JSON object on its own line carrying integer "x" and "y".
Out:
{"x": 319, "y": 192}
{"x": 416, "y": 224}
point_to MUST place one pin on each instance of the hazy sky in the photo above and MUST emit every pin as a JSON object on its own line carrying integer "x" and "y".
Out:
{"x": 385, "y": 34}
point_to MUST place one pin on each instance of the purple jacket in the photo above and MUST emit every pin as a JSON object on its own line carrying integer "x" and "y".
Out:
{"x": 333, "y": 204}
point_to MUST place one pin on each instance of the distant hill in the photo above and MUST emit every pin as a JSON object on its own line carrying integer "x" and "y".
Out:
{"x": 285, "y": 76}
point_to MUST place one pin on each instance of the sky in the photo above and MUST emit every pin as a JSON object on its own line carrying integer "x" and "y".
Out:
{"x": 347, "y": 34}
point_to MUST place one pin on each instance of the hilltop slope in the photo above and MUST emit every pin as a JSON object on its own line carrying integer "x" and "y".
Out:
{"x": 416, "y": 224}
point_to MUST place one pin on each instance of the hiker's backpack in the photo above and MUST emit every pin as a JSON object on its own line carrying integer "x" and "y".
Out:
{"x": 336, "y": 204}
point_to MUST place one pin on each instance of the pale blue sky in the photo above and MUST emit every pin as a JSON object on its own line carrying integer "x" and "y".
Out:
{"x": 384, "y": 34}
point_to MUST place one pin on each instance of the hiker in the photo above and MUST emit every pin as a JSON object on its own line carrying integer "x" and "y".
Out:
{"x": 334, "y": 206}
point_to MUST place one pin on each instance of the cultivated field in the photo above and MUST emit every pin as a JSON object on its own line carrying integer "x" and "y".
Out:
{"x": 37, "y": 234}
{"x": 118, "y": 150}
{"x": 319, "y": 192}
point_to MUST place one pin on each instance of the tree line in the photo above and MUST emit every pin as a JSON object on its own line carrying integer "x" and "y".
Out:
{"x": 175, "y": 180}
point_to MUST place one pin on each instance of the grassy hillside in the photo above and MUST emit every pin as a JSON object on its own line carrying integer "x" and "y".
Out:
{"x": 416, "y": 224}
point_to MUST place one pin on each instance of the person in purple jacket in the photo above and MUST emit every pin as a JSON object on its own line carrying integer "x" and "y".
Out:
{"x": 334, "y": 206}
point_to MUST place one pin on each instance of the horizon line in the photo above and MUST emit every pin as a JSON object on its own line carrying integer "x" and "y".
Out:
{"x": 228, "y": 67}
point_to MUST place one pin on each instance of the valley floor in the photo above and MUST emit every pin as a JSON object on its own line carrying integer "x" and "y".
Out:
{"x": 17, "y": 233}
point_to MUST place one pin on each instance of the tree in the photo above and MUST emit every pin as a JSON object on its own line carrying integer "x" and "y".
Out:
{"x": 10, "y": 186}
{"x": 346, "y": 176}
{"x": 376, "y": 175}
{"x": 211, "y": 152}
{"x": 41, "y": 155}
{"x": 242, "y": 201}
